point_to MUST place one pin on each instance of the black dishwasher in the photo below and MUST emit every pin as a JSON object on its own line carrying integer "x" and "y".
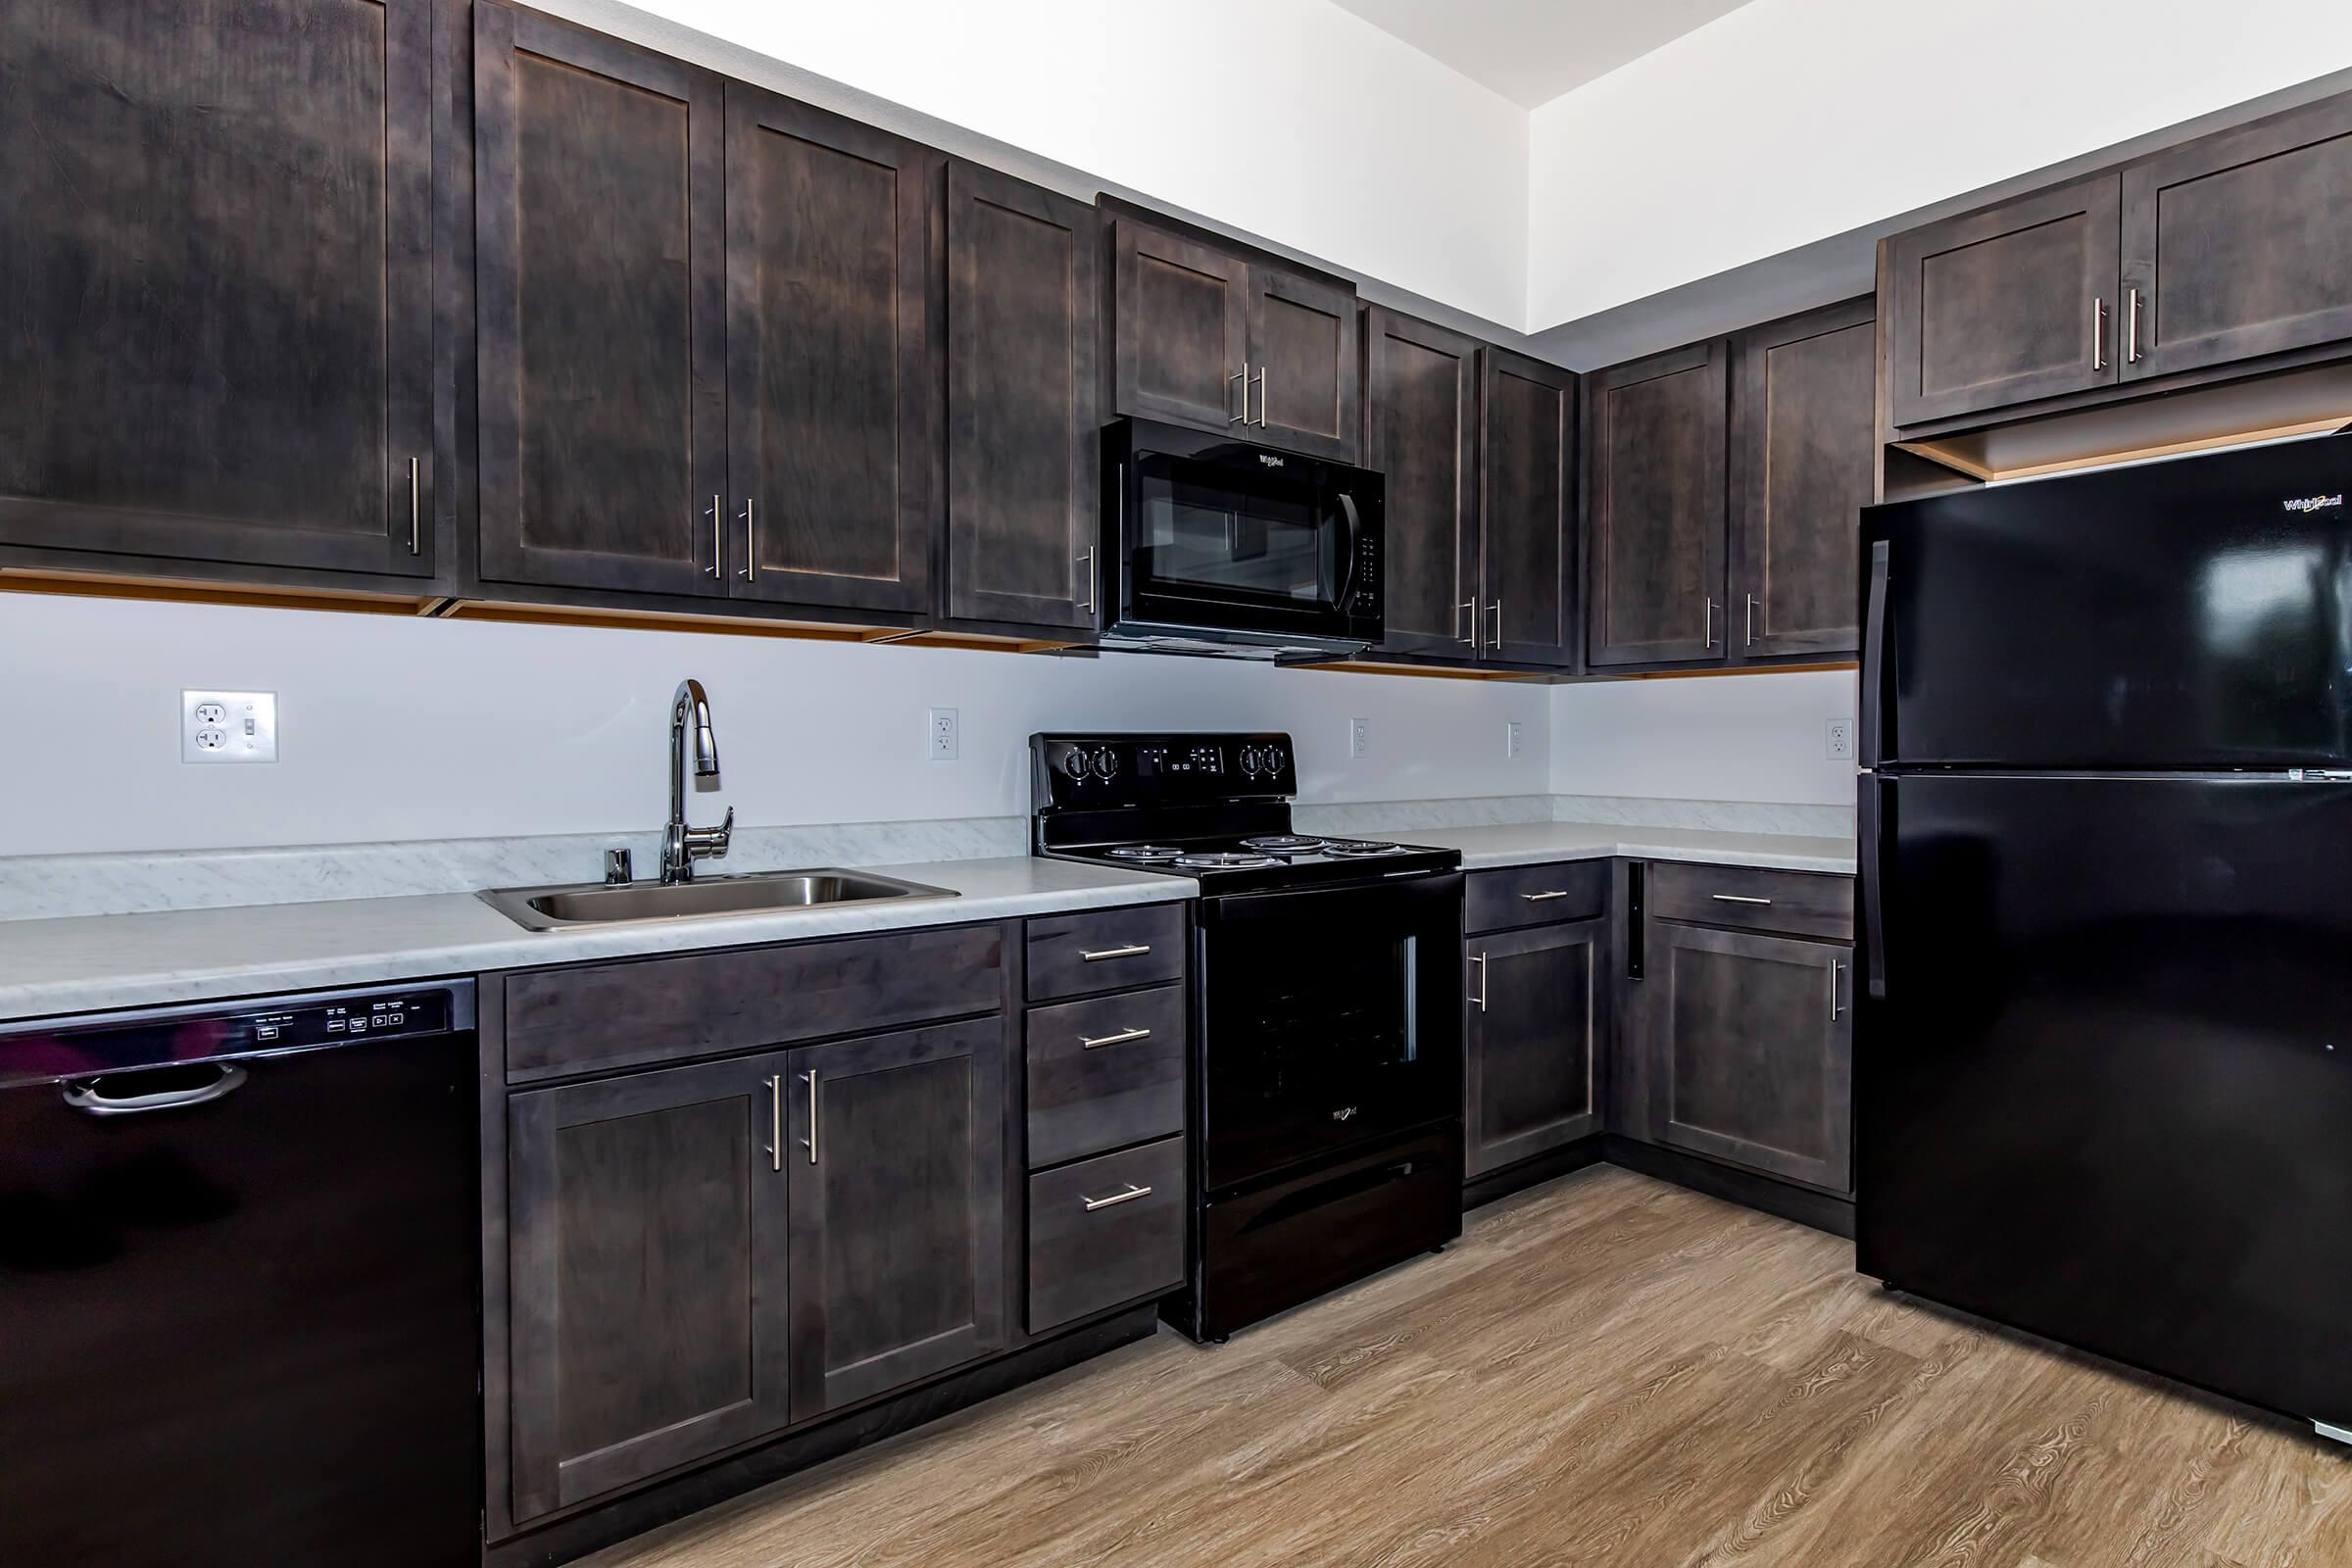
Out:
{"x": 239, "y": 1302}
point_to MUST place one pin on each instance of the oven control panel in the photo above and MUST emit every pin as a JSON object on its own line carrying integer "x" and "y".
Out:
{"x": 1104, "y": 770}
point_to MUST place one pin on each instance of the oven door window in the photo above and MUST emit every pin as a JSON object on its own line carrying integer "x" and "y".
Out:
{"x": 1322, "y": 1031}
{"x": 1200, "y": 536}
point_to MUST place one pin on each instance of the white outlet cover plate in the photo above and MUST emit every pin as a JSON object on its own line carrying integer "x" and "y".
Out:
{"x": 1842, "y": 740}
{"x": 943, "y": 739}
{"x": 1513, "y": 738}
{"x": 229, "y": 726}
{"x": 1359, "y": 737}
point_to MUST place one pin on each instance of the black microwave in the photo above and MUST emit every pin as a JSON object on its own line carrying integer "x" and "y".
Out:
{"x": 1218, "y": 545}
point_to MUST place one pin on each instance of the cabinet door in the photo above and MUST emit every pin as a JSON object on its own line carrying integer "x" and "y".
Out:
{"x": 647, "y": 1323}
{"x": 1532, "y": 1052}
{"x": 1421, "y": 397}
{"x": 1306, "y": 368}
{"x": 1752, "y": 1051}
{"x": 833, "y": 361}
{"x": 895, "y": 1154}
{"x": 1527, "y": 497}
{"x": 1025, "y": 402}
{"x": 2004, "y": 307}
{"x": 1179, "y": 328}
{"x": 1804, "y": 438}
{"x": 598, "y": 209}
{"x": 2233, "y": 245}
{"x": 217, "y": 257}
{"x": 1654, "y": 518}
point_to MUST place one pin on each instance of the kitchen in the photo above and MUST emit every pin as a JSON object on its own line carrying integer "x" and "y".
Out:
{"x": 1609, "y": 896}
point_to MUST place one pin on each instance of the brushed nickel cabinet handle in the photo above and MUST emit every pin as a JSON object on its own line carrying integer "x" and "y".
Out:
{"x": 1495, "y": 610}
{"x": 415, "y": 509}
{"x": 2098, "y": 333}
{"x": 1751, "y": 620}
{"x": 1739, "y": 897}
{"x": 1476, "y": 626}
{"x": 2131, "y": 354}
{"x": 1132, "y": 1193}
{"x": 1539, "y": 898}
{"x": 1086, "y": 558}
{"x": 1097, "y": 1042}
{"x": 1837, "y": 1006}
{"x": 718, "y": 547}
{"x": 810, "y": 1139}
{"x": 750, "y": 543}
{"x": 1710, "y": 642}
{"x": 1261, "y": 397}
{"x": 775, "y": 1122}
{"x": 1133, "y": 950}
{"x": 1480, "y": 959}
{"x": 1242, "y": 376}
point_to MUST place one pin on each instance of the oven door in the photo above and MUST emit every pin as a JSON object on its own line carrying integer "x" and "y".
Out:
{"x": 1330, "y": 1017}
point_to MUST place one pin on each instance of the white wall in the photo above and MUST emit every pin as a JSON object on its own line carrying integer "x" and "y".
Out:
{"x": 1722, "y": 738}
{"x": 1290, "y": 118}
{"x": 1788, "y": 121}
{"x": 398, "y": 728}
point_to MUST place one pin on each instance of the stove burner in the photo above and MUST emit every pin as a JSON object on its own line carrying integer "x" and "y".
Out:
{"x": 1358, "y": 849}
{"x": 1142, "y": 852}
{"x": 1223, "y": 862}
{"x": 1283, "y": 843}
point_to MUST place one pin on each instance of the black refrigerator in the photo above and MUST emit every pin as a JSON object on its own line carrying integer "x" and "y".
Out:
{"x": 2103, "y": 1049}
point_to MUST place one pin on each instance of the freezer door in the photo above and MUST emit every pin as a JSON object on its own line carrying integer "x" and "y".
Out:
{"x": 2103, "y": 1069}
{"x": 2195, "y": 613}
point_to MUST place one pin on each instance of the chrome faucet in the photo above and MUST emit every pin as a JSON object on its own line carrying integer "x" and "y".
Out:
{"x": 682, "y": 846}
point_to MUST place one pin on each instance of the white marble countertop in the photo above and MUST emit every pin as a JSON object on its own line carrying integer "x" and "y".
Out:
{"x": 89, "y": 963}
{"x": 1529, "y": 843}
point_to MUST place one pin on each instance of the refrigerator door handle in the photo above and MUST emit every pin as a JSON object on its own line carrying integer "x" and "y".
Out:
{"x": 1874, "y": 655}
{"x": 1870, "y": 823}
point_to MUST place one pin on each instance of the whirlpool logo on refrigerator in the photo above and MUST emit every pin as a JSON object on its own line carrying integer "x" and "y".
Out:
{"x": 2313, "y": 503}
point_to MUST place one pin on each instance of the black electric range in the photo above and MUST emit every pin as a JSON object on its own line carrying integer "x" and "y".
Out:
{"x": 1326, "y": 1012}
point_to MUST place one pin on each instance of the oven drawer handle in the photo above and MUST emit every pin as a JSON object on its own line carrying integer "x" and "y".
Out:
{"x": 85, "y": 1096}
{"x": 1133, "y": 950}
{"x": 1539, "y": 898}
{"x": 1097, "y": 1042}
{"x": 1740, "y": 898}
{"x": 1132, "y": 1193}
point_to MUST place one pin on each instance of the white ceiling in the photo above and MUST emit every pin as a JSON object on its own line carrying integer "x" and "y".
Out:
{"x": 1532, "y": 51}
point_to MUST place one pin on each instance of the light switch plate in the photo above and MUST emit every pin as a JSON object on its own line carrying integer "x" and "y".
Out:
{"x": 229, "y": 726}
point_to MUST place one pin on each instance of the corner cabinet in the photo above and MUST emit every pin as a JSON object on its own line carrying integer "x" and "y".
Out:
{"x": 1205, "y": 338}
{"x": 219, "y": 264}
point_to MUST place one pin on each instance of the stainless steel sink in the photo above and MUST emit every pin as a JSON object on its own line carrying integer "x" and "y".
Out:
{"x": 553, "y": 908}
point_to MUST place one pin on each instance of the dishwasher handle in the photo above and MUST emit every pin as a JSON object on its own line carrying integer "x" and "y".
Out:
{"x": 88, "y": 1096}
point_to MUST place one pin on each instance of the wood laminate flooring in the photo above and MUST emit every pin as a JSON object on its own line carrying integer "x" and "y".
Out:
{"x": 1606, "y": 1369}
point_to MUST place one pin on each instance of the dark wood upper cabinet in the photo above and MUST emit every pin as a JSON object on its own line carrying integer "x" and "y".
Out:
{"x": 1532, "y": 1048}
{"x": 833, "y": 356}
{"x": 895, "y": 1156}
{"x": 1655, "y": 509}
{"x": 218, "y": 262}
{"x": 647, "y": 1253}
{"x": 2006, "y": 306}
{"x": 1803, "y": 457}
{"x": 1421, "y": 431}
{"x": 1025, "y": 402}
{"x": 1180, "y": 327}
{"x": 1750, "y": 1051}
{"x": 1305, "y": 368}
{"x": 1527, "y": 510}
{"x": 602, "y": 333}
{"x": 2233, "y": 245}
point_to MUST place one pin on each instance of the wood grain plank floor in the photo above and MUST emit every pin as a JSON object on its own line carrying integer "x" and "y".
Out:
{"x": 1605, "y": 1370}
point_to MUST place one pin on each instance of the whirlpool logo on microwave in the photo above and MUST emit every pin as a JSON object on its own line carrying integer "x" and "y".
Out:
{"x": 2313, "y": 503}
{"x": 1273, "y": 462}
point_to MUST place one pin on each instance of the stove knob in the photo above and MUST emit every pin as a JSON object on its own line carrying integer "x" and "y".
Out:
{"x": 1074, "y": 763}
{"x": 1107, "y": 761}
{"x": 1250, "y": 761}
{"x": 1273, "y": 759}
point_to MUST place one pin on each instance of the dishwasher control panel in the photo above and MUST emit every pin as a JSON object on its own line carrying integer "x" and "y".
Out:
{"x": 104, "y": 1043}
{"x": 416, "y": 1012}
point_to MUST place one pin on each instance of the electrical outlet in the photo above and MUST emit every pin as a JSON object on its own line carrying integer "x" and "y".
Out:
{"x": 1842, "y": 740}
{"x": 1512, "y": 738}
{"x": 1359, "y": 737}
{"x": 944, "y": 737}
{"x": 229, "y": 726}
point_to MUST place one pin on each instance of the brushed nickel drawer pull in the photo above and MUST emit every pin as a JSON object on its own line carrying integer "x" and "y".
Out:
{"x": 1739, "y": 897}
{"x": 1539, "y": 898}
{"x": 1133, "y": 950}
{"x": 1837, "y": 1006}
{"x": 1132, "y": 1193}
{"x": 1121, "y": 1038}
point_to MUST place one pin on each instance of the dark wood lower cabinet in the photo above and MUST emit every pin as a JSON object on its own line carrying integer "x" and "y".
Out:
{"x": 647, "y": 1259}
{"x": 1532, "y": 1052}
{"x": 895, "y": 1154}
{"x": 1748, "y": 1050}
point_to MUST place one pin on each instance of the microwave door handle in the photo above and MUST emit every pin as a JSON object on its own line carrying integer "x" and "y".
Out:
{"x": 1355, "y": 539}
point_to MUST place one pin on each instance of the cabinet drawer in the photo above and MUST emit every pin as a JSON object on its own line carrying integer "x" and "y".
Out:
{"x": 1105, "y": 1231}
{"x": 1104, "y": 1073}
{"x": 598, "y": 1017}
{"x": 1803, "y": 904}
{"x": 1534, "y": 895}
{"x": 1104, "y": 950}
